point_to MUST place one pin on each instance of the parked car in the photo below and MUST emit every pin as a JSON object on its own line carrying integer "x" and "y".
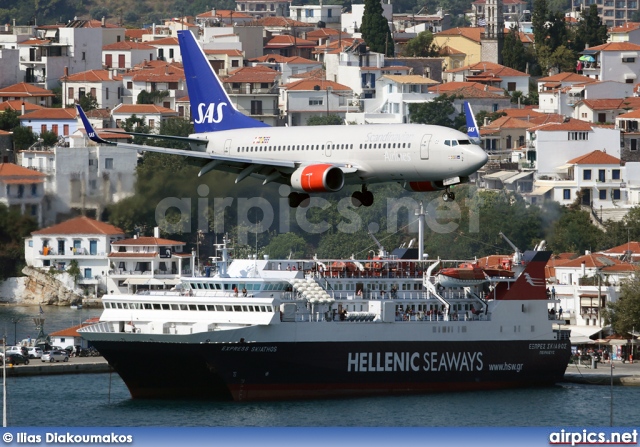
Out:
{"x": 55, "y": 356}
{"x": 17, "y": 350}
{"x": 17, "y": 359}
{"x": 34, "y": 353}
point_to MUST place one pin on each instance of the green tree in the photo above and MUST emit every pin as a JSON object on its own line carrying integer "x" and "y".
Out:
{"x": 539, "y": 19}
{"x": 513, "y": 52}
{"x": 14, "y": 227}
{"x": 136, "y": 124}
{"x": 421, "y": 46}
{"x": 375, "y": 28}
{"x": 624, "y": 314}
{"x": 145, "y": 97}
{"x": 590, "y": 30}
{"x": 561, "y": 59}
{"x": 287, "y": 245}
{"x": 23, "y": 137}
{"x": 573, "y": 232}
{"x": 74, "y": 271}
{"x": 437, "y": 112}
{"x": 324, "y": 120}
{"x": 88, "y": 102}
{"x": 9, "y": 119}
{"x": 48, "y": 138}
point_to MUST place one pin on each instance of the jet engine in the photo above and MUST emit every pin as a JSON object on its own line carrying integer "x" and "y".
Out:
{"x": 317, "y": 178}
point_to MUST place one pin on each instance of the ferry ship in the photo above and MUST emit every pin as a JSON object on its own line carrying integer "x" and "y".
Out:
{"x": 262, "y": 329}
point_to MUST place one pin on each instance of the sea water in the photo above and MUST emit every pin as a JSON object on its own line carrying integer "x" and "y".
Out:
{"x": 103, "y": 400}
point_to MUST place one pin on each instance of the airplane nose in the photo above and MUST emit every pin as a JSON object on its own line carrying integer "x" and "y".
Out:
{"x": 477, "y": 157}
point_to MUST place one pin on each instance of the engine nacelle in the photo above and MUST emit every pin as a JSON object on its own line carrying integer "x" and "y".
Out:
{"x": 317, "y": 178}
{"x": 424, "y": 186}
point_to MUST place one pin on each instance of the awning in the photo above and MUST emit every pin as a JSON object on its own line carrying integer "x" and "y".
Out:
{"x": 581, "y": 340}
{"x": 540, "y": 190}
{"x": 630, "y": 76}
{"x": 583, "y": 331}
{"x": 135, "y": 281}
{"x": 500, "y": 175}
{"x": 563, "y": 167}
{"x": 50, "y": 33}
{"x": 629, "y": 54}
{"x": 171, "y": 282}
{"x": 519, "y": 176}
{"x": 154, "y": 282}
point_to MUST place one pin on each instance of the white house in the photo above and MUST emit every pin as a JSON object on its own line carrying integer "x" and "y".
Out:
{"x": 492, "y": 74}
{"x": 124, "y": 55}
{"x": 614, "y": 61}
{"x": 62, "y": 122}
{"x": 551, "y": 145}
{"x": 351, "y": 22}
{"x": 312, "y": 97}
{"x": 84, "y": 177}
{"x": 84, "y": 240}
{"x": 254, "y": 92}
{"x": 316, "y": 13}
{"x": 147, "y": 263}
{"x": 287, "y": 66}
{"x": 103, "y": 85}
{"x": 151, "y": 114}
{"x": 23, "y": 189}
{"x": 394, "y": 93}
{"x": 155, "y": 76}
{"x": 603, "y": 110}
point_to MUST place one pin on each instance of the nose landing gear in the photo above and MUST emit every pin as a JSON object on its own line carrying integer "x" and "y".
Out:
{"x": 362, "y": 198}
{"x": 448, "y": 195}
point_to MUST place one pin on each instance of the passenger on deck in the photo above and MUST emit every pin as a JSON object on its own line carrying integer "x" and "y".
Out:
{"x": 235, "y": 290}
{"x": 244, "y": 292}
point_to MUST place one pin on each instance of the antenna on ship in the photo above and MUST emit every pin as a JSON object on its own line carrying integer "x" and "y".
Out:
{"x": 420, "y": 213}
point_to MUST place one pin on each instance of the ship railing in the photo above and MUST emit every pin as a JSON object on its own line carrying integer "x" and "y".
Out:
{"x": 101, "y": 327}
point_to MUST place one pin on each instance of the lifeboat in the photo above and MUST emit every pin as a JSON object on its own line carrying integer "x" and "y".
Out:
{"x": 461, "y": 276}
{"x": 499, "y": 272}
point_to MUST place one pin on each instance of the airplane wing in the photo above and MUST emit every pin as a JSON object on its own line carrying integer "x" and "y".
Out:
{"x": 267, "y": 169}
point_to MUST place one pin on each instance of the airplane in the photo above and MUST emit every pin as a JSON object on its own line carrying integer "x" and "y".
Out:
{"x": 311, "y": 159}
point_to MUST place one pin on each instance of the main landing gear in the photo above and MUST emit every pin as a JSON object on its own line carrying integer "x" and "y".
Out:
{"x": 448, "y": 195}
{"x": 362, "y": 198}
{"x": 298, "y": 199}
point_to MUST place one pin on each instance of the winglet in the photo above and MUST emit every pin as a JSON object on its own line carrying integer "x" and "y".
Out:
{"x": 91, "y": 133}
{"x": 472, "y": 127}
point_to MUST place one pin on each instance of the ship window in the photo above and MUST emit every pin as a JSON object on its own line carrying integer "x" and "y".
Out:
{"x": 193, "y": 286}
{"x": 237, "y": 308}
{"x": 156, "y": 306}
{"x": 202, "y": 307}
{"x": 251, "y": 309}
{"x": 228, "y": 308}
{"x": 119, "y": 305}
{"x": 192, "y": 307}
{"x": 219, "y": 308}
{"x": 241, "y": 286}
{"x": 147, "y": 305}
{"x": 226, "y": 286}
{"x": 210, "y": 307}
{"x": 165, "y": 307}
{"x": 175, "y": 307}
{"x": 245, "y": 309}
{"x": 184, "y": 307}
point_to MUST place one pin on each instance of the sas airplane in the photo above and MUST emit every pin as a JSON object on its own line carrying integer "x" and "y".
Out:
{"x": 312, "y": 159}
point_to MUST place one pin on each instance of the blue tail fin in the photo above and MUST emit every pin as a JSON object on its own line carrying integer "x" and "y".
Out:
{"x": 211, "y": 108}
{"x": 472, "y": 127}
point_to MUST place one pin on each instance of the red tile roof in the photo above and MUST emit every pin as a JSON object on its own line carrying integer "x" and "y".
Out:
{"x": 632, "y": 246}
{"x": 80, "y": 225}
{"x": 616, "y": 46}
{"x": 318, "y": 73}
{"x": 281, "y": 22}
{"x": 35, "y": 42}
{"x": 285, "y": 40}
{"x": 449, "y": 51}
{"x": 127, "y": 45}
{"x": 604, "y": 104}
{"x": 227, "y": 52}
{"x": 595, "y": 158}
{"x": 284, "y": 59}
{"x": 147, "y": 240}
{"x": 311, "y": 84}
{"x": 164, "y": 72}
{"x": 25, "y": 90}
{"x": 224, "y": 14}
{"x": 143, "y": 109}
{"x": 70, "y": 331}
{"x": 567, "y": 77}
{"x": 468, "y": 90}
{"x": 469, "y": 33}
{"x": 136, "y": 33}
{"x": 253, "y": 74}
{"x": 508, "y": 122}
{"x": 16, "y": 104}
{"x": 572, "y": 125}
{"x": 164, "y": 41}
{"x": 526, "y": 113}
{"x": 92, "y": 76}
{"x": 51, "y": 114}
{"x": 490, "y": 68}
{"x": 625, "y": 28}
{"x": 10, "y": 172}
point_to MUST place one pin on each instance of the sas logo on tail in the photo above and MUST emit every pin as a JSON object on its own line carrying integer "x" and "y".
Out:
{"x": 210, "y": 115}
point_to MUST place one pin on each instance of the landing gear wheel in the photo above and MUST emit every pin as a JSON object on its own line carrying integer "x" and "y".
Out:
{"x": 448, "y": 196}
{"x": 367, "y": 198}
{"x": 357, "y": 199}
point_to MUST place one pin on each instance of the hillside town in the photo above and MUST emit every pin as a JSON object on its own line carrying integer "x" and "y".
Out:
{"x": 283, "y": 65}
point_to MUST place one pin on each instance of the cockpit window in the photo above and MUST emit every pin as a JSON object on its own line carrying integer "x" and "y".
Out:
{"x": 454, "y": 142}
{"x": 447, "y": 142}
{"x": 464, "y": 142}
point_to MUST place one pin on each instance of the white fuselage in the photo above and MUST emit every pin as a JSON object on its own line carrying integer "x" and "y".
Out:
{"x": 381, "y": 153}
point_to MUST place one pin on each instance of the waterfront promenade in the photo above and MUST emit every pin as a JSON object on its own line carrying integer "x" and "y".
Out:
{"x": 75, "y": 365}
{"x": 626, "y": 374}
